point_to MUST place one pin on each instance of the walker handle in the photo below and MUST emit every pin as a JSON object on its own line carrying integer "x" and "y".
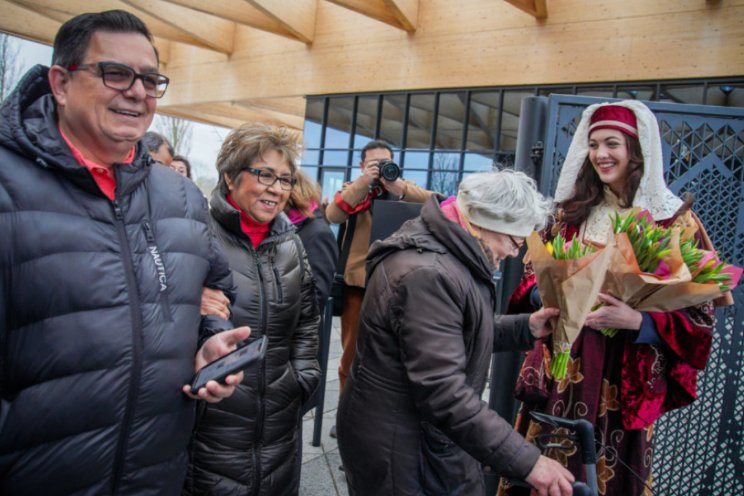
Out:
{"x": 582, "y": 427}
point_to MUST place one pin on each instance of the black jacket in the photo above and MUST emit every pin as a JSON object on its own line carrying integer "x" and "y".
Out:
{"x": 411, "y": 419}
{"x": 246, "y": 444}
{"x": 322, "y": 253}
{"x": 99, "y": 313}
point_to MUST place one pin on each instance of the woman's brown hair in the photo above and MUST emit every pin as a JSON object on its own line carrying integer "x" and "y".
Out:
{"x": 589, "y": 189}
{"x": 305, "y": 196}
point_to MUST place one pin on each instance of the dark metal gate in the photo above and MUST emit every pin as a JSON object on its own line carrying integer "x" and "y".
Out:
{"x": 698, "y": 449}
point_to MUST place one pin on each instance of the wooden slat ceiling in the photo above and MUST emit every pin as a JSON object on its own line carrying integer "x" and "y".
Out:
{"x": 232, "y": 61}
{"x": 211, "y": 25}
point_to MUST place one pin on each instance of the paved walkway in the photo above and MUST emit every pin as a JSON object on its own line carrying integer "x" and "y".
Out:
{"x": 320, "y": 465}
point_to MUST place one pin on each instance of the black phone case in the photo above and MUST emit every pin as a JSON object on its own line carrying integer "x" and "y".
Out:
{"x": 231, "y": 363}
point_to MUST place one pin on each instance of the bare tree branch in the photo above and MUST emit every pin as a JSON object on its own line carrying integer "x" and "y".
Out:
{"x": 9, "y": 69}
{"x": 178, "y": 132}
{"x": 445, "y": 176}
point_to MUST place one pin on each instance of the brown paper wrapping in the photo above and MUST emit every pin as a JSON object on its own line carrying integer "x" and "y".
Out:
{"x": 569, "y": 285}
{"x": 573, "y": 285}
{"x": 649, "y": 293}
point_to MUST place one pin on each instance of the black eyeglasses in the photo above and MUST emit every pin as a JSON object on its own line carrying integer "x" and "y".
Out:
{"x": 517, "y": 246}
{"x": 122, "y": 77}
{"x": 268, "y": 178}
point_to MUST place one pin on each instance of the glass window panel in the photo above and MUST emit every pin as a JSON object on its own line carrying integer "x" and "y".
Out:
{"x": 338, "y": 125}
{"x": 356, "y": 157}
{"x": 355, "y": 172}
{"x": 597, "y": 91}
{"x": 336, "y": 157}
{"x": 333, "y": 180}
{"x": 310, "y": 157}
{"x": 555, "y": 90}
{"x": 450, "y": 119}
{"x": 510, "y": 119}
{"x": 726, "y": 95}
{"x": 417, "y": 176}
{"x": 416, "y": 160}
{"x": 636, "y": 92}
{"x": 444, "y": 182}
{"x": 483, "y": 120}
{"x": 311, "y": 172}
{"x": 313, "y": 120}
{"x": 366, "y": 120}
{"x": 391, "y": 124}
{"x": 478, "y": 162}
{"x": 420, "y": 120}
{"x": 683, "y": 94}
{"x": 446, "y": 161}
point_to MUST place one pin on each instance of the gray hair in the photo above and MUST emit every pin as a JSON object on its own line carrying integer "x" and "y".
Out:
{"x": 504, "y": 201}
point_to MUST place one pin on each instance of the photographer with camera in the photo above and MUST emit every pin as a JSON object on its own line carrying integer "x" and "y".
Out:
{"x": 380, "y": 179}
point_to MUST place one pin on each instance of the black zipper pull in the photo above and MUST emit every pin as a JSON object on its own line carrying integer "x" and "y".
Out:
{"x": 149, "y": 236}
{"x": 117, "y": 210}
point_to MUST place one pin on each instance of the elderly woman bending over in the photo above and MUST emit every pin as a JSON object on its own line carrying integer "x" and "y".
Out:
{"x": 411, "y": 419}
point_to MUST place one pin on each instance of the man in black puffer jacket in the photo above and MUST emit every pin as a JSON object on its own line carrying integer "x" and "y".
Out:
{"x": 102, "y": 261}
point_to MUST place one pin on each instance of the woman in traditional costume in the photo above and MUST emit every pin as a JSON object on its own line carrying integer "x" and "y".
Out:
{"x": 620, "y": 384}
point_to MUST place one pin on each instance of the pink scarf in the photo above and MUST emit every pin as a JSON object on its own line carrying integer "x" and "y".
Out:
{"x": 295, "y": 216}
{"x": 452, "y": 212}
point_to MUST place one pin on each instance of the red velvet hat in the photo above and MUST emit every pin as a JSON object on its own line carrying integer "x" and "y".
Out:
{"x": 614, "y": 117}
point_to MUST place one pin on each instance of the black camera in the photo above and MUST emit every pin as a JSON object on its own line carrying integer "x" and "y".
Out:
{"x": 389, "y": 170}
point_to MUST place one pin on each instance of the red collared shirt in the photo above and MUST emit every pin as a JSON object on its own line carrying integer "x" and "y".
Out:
{"x": 104, "y": 178}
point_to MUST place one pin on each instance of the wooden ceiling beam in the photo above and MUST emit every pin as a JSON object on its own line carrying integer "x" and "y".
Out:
{"x": 406, "y": 12}
{"x": 28, "y": 23}
{"x": 241, "y": 114}
{"x": 293, "y": 106}
{"x": 214, "y": 32}
{"x": 238, "y": 11}
{"x": 188, "y": 112}
{"x": 62, "y": 11}
{"x": 535, "y": 8}
{"x": 297, "y": 16}
{"x": 401, "y": 14}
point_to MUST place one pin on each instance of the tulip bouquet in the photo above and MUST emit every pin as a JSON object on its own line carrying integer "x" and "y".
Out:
{"x": 569, "y": 277}
{"x": 673, "y": 270}
{"x": 649, "y": 267}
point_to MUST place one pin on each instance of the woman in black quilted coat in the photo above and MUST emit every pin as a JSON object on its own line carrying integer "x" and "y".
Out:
{"x": 247, "y": 445}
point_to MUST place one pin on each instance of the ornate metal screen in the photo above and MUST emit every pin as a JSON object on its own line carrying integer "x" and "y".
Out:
{"x": 698, "y": 449}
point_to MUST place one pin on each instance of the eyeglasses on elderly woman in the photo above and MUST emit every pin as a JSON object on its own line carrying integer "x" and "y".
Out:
{"x": 268, "y": 178}
{"x": 516, "y": 244}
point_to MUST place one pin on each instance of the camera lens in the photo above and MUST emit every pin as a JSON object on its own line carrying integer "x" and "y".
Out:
{"x": 389, "y": 170}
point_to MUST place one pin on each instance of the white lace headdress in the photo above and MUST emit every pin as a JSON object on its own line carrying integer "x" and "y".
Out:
{"x": 652, "y": 195}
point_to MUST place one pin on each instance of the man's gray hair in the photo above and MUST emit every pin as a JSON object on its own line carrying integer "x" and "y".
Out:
{"x": 506, "y": 201}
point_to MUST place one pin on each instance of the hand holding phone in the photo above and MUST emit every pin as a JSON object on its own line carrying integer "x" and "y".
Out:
{"x": 233, "y": 362}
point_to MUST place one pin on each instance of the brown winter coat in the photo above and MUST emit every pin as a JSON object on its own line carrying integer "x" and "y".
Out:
{"x": 411, "y": 419}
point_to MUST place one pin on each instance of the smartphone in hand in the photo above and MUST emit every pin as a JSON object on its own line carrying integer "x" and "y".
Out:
{"x": 232, "y": 363}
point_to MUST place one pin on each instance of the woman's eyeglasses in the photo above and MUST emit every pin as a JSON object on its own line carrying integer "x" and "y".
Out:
{"x": 517, "y": 246}
{"x": 268, "y": 178}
